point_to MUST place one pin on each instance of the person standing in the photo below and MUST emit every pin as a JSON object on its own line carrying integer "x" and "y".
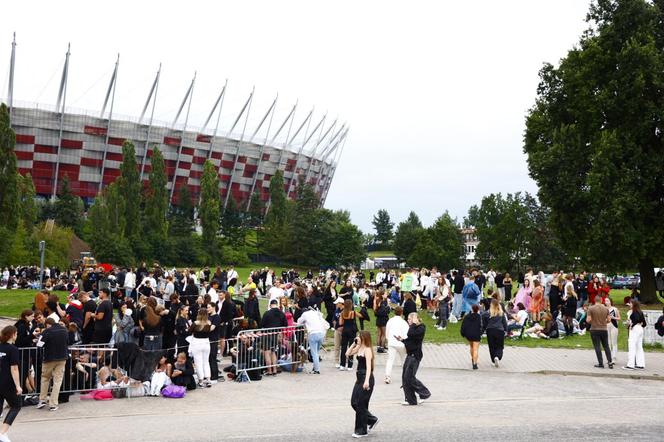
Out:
{"x": 396, "y": 326}
{"x": 273, "y": 318}
{"x": 507, "y": 287}
{"x": 129, "y": 282}
{"x": 471, "y": 329}
{"x": 215, "y": 335}
{"x": 54, "y": 342}
{"x": 10, "y": 383}
{"x": 637, "y": 323}
{"x": 199, "y": 348}
{"x": 103, "y": 331}
{"x": 443, "y": 299}
{"x": 496, "y": 329}
{"x": 612, "y": 328}
{"x": 457, "y": 302}
{"x": 598, "y": 317}
{"x": 413, "y": 342}
{"x": 362, "y": 349}
{"x": 316, "y": 326}
{"x": 471, "y": 295}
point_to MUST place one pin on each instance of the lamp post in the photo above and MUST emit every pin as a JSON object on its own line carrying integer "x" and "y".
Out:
{"x": 42, "y": 248}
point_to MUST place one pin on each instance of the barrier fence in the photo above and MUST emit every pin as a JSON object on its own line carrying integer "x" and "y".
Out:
{"x": 270, "y": 348}
{"x": 99, "y": 366}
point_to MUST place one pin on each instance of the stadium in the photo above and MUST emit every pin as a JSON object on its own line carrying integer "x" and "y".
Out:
{"x": 86, "y": 146}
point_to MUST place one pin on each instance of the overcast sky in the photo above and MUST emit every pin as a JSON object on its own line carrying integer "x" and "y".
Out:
{"x": 435, "y": 92}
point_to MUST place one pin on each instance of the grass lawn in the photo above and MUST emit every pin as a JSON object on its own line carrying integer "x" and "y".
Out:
{"x": 381, "y": 253}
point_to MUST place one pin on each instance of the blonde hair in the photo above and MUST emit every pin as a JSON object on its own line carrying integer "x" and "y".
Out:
{"x": 495, "y": 309}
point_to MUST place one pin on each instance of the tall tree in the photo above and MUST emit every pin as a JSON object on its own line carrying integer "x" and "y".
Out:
{"x": 210, "y": 209}
{"x": 181, "y": 222}
{"x": 29, "y": 209}
{"x": 277, "y": 211}
{"x": 156, "y": 200}
{"x": 406, "y": 236}
{"x": 276, "y": 233}
{"x": 232, "y": 226}
{"x": 68, "y": 207}
{"x": 305, "y": 224}
{"x": 383, "y": 227}
{"x": 256, "y": 210}
{"x": 130, "y": 187}
{"x": 595, "y": 140}
{"x": 9, "y": 186}
{"x": 107, "y": 220}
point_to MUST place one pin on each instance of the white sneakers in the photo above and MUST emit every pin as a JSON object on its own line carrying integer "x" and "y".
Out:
{"x": 4, "y": 437}
{"x": 496, "y": 362}
{"x": 387, "y": 379}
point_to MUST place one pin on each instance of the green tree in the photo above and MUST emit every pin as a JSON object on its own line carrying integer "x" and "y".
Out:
{"x": 29, "y": 209}
{"x": 440, "y": 245}
{"x": 210, "y": 209}
{"x": 232, "y": 226}
{"x": 383, "y": 227}
{"x": 406, "y": 236}
{"x": 304, "y": 225}
{"x": 181, "y": 219}
{"x": 595, "y": 142}
{"x": 256, "y": 210}
{"x": 9, "y": 177}
{"x": 130, "y": 187}
{"x": 68, "y": 208}
{"x": 276, "y": 234}
{"x": 155, "y": 204}
{"x": 278, "y": 201}
{"x": 107, "y": 221}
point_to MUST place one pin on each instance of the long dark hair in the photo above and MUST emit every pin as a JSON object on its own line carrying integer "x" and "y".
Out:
{"x": 636, "y": 306}
{"x": 7, "y": 333}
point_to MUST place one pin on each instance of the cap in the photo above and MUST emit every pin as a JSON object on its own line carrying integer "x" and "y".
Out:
{"x": 274, "y": 302}
{"x": 339, "y": 301}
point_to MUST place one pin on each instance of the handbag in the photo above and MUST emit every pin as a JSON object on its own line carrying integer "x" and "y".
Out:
{"x": 173, "y": 391}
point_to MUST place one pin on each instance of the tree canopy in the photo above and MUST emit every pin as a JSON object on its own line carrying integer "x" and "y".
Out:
{"x": 383, "y": 227}
{"x": 594, "y": 139}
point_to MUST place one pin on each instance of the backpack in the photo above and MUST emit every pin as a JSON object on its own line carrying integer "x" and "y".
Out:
{"x": 173, "y": 391}
{"x": 659, "y": 326}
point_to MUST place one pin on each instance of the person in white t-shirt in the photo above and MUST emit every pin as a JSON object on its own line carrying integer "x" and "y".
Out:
{"x": 232, "y": 274}
{"x": 276, "y": 292}
{"x": 212, "y": 291}
{"x": 491, "y": 279}
{"x": 129, "y": 282}
{"x": 396, "y": 326}
{"x": 169, "y": 289}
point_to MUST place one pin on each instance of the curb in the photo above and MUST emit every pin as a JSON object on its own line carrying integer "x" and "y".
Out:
{"x": 652, "y": 377}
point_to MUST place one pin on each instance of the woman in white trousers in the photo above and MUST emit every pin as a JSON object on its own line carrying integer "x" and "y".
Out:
{"x": 612, "y": 328}
{"x": 199, "y": 347}
{"x": 396, "y": 326}
{"x": 637, "y": 322}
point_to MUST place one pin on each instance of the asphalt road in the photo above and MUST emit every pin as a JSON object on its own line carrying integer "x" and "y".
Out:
{"x": 465, "y": 405}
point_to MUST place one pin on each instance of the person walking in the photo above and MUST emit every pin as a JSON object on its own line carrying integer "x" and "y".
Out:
{"x": 471, "y": 295}
{"x": 54, "y": 342}
{"x": 413, "y": 343}
{"x": 396, "y": 326}
{"x": 443, "y": 299}
{"x": 637, "y": 323}
{"x": 612, "y": 328}
{"x": 10, "y": 383}
{"x": 471, "y": 329}
{"x": 598, "y": 318}
{"x": 457, "y": 302}
{"x": 496, "y": 329}
{"x": 316, "y": 326}
{"x": 348, "y": 333}
{"x": 362, "y": 349}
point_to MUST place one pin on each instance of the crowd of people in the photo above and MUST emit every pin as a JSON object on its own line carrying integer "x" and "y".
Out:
{"x": 187, "y": 320}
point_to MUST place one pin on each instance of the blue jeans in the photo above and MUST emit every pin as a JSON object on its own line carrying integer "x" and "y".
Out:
{"x": 152, "y": 342}
{"x": 457, "y": 303}
{"x": 315, "y": 342}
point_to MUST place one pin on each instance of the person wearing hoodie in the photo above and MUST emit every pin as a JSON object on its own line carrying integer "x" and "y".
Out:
{"x": 74, "y": 311}
{"x": 471, "y": 329}
{"x": 495, "y": 326}
{"x": 413, "y": 342}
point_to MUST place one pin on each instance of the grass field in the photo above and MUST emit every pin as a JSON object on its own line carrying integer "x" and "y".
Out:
{"x": 12, "y": 302}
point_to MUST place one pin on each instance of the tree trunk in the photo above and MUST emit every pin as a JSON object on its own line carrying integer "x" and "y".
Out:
{"x": 647, "y": 271}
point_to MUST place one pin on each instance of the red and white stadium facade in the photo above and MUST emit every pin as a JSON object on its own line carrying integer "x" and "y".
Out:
{"x": 87, "y": 147}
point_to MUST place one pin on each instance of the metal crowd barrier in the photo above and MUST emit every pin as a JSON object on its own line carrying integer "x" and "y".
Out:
{"x": 261, "y": 349}
{"x": 88, "y": 367}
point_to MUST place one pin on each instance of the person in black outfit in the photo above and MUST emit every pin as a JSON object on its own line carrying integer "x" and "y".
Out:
{"x": 471, "y": 329}
{"x": 215, "y": 334}
{"x": 103, "y": 328}
{"x": 364, "y": 384}
{"x": 190, "y": 292}
{"x": 252, "y": 310}
{"x": 315, "y": 299}
{"x": 495, "y": 325}
{"x": 10, "y": 383}
{"x": 226, "y": 314}
{"x": 272, "y": 318}
{"x": 409, "y": 305}
{"x": 183, "y": 372}
{"x": 413, "y": 343}
{"x": 24, "y": 339}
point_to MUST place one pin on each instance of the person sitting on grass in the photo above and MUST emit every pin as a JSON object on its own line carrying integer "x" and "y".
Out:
{"x": 518, "y": 320}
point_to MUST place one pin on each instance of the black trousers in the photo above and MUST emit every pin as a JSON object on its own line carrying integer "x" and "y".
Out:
{"x": 601, "y": 337}
{"x": 345, "y": 343}
{"x": 410, "y": 383}
{"x": 496, "y": 340}
{"x": 360, "y": 403}
{"x": 14, "y": 403}
{"x": 214, "y": 366}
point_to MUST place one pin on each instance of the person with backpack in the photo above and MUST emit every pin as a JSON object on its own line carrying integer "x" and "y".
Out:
{"x": 659, "y": 324}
